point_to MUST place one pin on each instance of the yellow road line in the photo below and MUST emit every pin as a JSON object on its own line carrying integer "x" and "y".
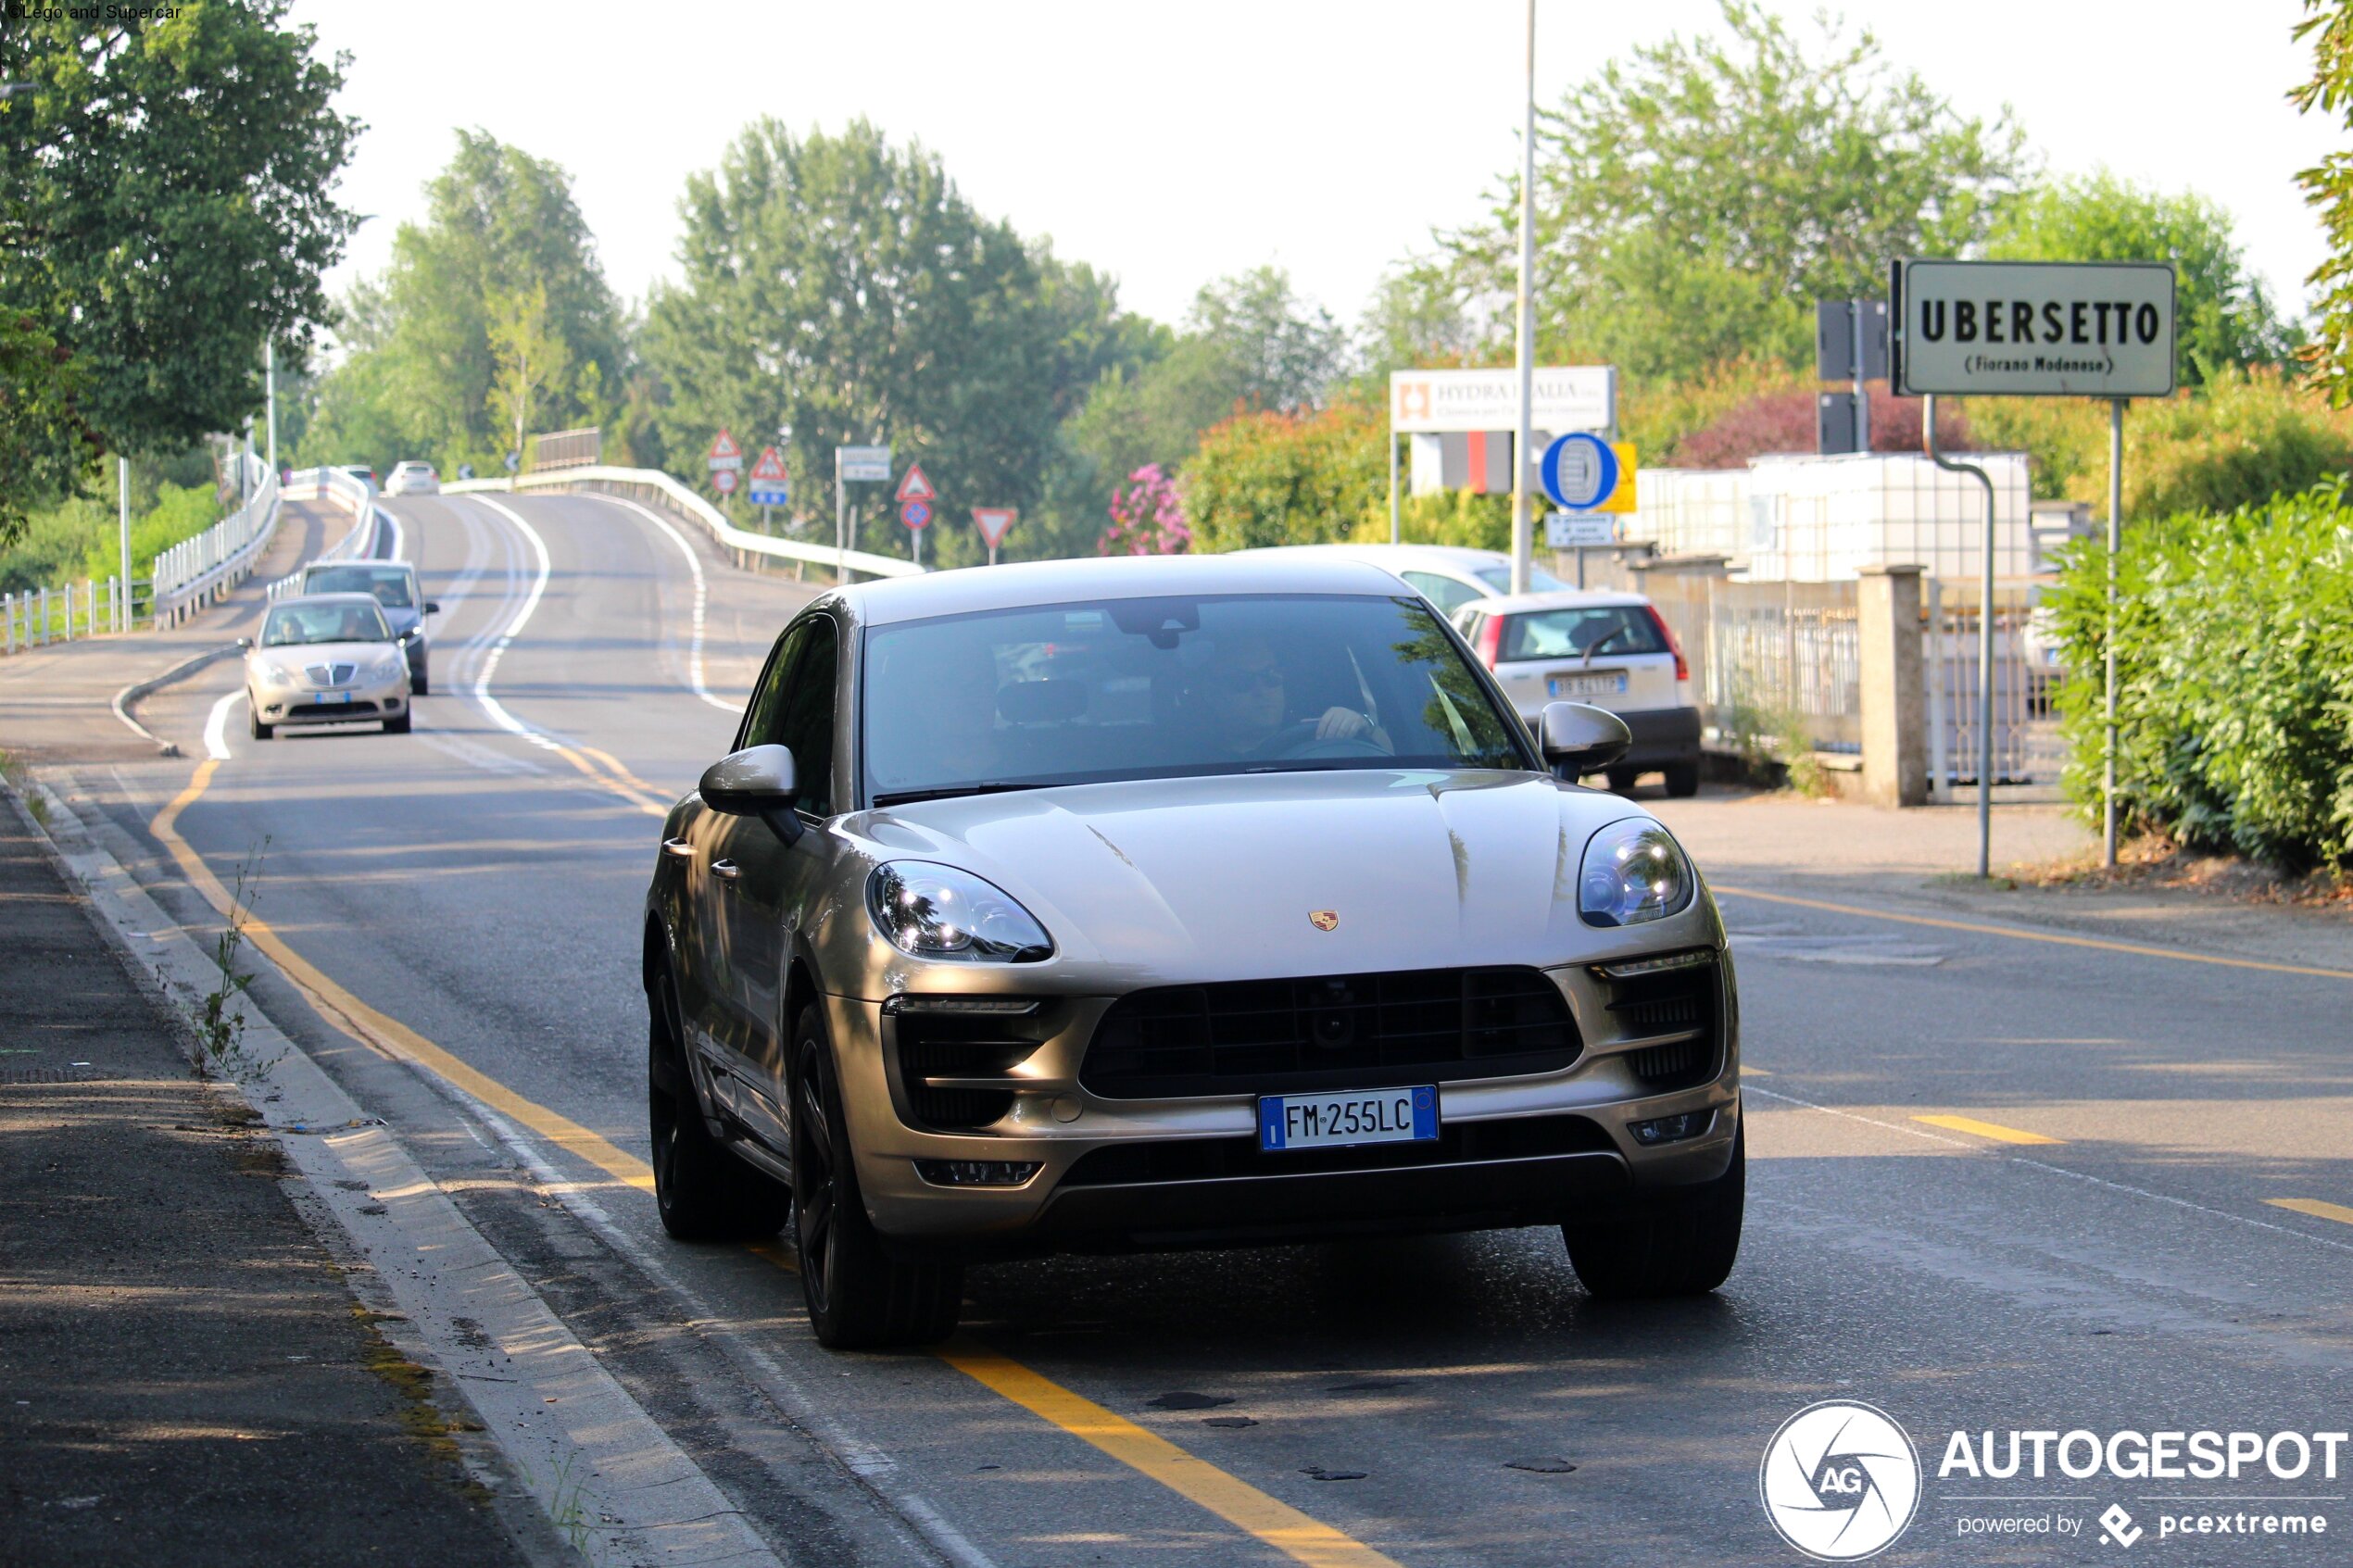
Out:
{"x": 2135, "y": 949}
{"x": 2314, "y": 1207}
{"x": 1985, "y": 1129}
{"x": 1285, "y": 1528}
{"x": 1277, "y": 1524}
{"x": 386, "y": 1033}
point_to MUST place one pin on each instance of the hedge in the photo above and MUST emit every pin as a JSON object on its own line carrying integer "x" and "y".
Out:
{"x": 2234, "y": 674}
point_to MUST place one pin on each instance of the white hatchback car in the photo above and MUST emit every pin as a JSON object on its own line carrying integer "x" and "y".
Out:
{"x": 413, "y": 478}
{"x": 1611, "y": 649}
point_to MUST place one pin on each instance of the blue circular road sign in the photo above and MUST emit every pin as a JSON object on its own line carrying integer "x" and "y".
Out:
{"x": 914, "y": 513}
{"x": 1579, "y": 471}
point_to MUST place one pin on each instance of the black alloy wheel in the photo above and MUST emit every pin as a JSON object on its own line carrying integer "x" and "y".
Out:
{"x": 860, "y": 1295}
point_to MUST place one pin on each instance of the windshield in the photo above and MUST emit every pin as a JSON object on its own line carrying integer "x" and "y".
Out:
{"x": 1539, "y": 580}
{"x": 290, "y": 625}
{"x": 1171, "y": 687}
{"x": 390, "y": 585}
{"x": 1561, "y": 634}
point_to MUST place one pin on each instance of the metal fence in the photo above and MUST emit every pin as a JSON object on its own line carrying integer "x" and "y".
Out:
{"x": 2027, "y": 748}
{"x": 1768, "y": 658}
{"x": 89, "y": 608}
{"x": 197, "y": 569}
{"x": 562, "y": 449}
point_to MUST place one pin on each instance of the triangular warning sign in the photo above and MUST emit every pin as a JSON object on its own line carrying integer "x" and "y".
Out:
{"x": 726, "y": 447}
{"x": 914, "y": 486}
{"x": 771, "y": 464}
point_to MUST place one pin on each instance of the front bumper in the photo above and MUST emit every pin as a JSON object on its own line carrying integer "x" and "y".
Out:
{"x": 1121, "y": 1175}
{"x": 371, "y": 702}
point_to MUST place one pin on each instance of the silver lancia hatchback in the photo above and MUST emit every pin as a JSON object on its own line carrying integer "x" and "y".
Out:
{"x": 1173, "y": 902}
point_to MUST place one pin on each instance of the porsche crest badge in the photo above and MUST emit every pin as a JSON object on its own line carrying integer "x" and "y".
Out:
{"x": 1323, "y": 920}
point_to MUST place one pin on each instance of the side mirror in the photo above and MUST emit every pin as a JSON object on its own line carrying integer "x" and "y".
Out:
{"x": 433, "y": 606}
{"x": 755, "y": 782}
{"x": 245, "y": 642}
{"x": 1583, "y": 738}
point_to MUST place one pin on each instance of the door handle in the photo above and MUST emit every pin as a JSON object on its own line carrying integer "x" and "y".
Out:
{"x": 726, "y": 870}
{"x": 679, "y": 848}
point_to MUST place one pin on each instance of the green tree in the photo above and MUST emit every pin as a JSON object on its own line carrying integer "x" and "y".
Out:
{"x": 846, "y": 288}
{"x": 1297, "y": 477}
{"x": 530, "y": 365}
{"x": 165, "y": 206}
{"x": 2328, "y": 189}
{"x": 500, "y": 224}
{"x": 2223, "y": 317}
{"x": 1418, "y": 316}
{"x": 1693, "y": 200}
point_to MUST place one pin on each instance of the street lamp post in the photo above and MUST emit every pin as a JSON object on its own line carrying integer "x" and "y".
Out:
{"x": 1523, "y": 529}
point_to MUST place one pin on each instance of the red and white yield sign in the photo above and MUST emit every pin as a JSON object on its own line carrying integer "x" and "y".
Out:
{"x": 993, "y": 522}
{"x": 726, "y": 455}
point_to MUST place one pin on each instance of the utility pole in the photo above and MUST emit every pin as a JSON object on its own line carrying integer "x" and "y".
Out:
{"x": 1523, "y": 531}
{"x": 122, "y": 499}
{"x": 269, "y": 391}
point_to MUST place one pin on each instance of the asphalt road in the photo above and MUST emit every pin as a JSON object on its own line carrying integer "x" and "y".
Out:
{"x": 2093, "y": 1236}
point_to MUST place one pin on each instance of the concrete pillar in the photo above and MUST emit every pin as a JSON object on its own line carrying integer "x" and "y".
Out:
{"x": 1895, "y": 691}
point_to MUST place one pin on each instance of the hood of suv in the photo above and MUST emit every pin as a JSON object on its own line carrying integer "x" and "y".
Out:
{"x": 1283, "y": 873}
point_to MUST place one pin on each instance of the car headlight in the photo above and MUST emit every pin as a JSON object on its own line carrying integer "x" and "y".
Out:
{"x": 933, "y": 911}
{"x": 275, "y": 672}
{"x": 1633, "y": 872}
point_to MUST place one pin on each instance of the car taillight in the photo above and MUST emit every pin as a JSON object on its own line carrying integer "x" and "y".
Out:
{"x": 1491, "y": 639}
{"x": 1683, "y": 666}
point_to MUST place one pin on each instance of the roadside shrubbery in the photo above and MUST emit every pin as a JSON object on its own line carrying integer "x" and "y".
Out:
{"x": 2234, "y": 666}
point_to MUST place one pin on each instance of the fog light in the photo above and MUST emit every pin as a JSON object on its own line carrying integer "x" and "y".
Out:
{"x": 1671, "y": 1129}
{"x": 976, "y": 1172}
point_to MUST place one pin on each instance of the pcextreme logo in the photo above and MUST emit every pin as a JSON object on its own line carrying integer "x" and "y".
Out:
{"x": 1841, "y": 1481}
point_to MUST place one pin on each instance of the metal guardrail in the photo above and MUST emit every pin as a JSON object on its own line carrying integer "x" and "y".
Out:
{"x": 659, "y": 488}
{"x": 203, "y": 568}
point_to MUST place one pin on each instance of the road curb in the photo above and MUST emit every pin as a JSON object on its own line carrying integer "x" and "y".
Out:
{"x": 138, "y": 691}
{"x": 605, "y": 1474}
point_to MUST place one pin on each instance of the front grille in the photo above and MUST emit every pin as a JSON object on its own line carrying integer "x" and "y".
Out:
{"x": 1330, "y": 1032}
{"x": 961, "y": 1046}
{"x": 1674, "y": 1002}
{"x": 1206, "y": 1159}
{"x": 330, "y": 674}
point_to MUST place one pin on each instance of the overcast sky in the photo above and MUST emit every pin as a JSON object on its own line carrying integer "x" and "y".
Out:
{"x": 1170, "y": 144}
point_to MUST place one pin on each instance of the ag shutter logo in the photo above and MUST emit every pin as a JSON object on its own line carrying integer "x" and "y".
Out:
{"x": 1840, "y": 1481}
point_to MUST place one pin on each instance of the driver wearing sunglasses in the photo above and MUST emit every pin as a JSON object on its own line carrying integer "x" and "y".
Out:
{"x": 1243, "y": 691}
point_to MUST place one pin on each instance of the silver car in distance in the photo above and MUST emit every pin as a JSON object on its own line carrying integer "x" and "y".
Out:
{"x": 1146, "y": 903}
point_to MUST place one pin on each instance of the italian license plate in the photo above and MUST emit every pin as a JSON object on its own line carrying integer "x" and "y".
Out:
{"x": 1598, "y": 682}
{"x": 1353, "y": 1116}
{"x": 333, "y": 699}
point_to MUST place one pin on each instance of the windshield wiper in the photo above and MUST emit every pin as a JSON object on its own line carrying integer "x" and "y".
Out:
{"x": 951, "y": 792}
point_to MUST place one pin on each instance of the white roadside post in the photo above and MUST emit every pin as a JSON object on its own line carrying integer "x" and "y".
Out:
{"x": 2035, "y": 328}
{"x": 1523, "y": 530}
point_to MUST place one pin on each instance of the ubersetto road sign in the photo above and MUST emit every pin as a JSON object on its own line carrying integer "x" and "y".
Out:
{"x": 2034, "y": 328}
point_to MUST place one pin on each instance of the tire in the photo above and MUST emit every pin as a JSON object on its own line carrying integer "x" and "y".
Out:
{"x": 702, "y": 1192}
{"x": 420, "y": 684}
{"x": 1682, "y": 780}
{"x": 860, "y": 1296}
{"x": 397, "y": 726}
{"x": 1621, "y": 780}
{"x": 253, "y": 721}
{"x": 1680, "y": 1243}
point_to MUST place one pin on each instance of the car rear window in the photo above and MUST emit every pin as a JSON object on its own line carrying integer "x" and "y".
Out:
{"x": 390, "y": 585}
{"x": 1569, "y": 632}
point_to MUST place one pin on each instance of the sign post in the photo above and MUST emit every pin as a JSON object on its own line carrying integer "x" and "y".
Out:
{"x": 915, "y": 496}
{"x": 1584, "y": 475}
{"x": 2035, "y": 328}
{"x": 770, "y": 486}
{"x": 993, "y": 523}
{"x": 852, "y": 464}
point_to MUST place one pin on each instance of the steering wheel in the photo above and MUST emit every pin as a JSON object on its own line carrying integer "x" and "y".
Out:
{"x": 1308, "y": 746}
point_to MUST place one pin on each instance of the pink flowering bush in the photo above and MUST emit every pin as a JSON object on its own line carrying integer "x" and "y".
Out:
{"x": 1147, "y": 517}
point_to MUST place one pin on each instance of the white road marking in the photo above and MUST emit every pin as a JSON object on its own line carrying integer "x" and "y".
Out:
{"x": 702, "y": 598}
{"x": 2051, "y": 1169}
{"x": 488, "y": 704}
{"x": 216, "y": 726}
